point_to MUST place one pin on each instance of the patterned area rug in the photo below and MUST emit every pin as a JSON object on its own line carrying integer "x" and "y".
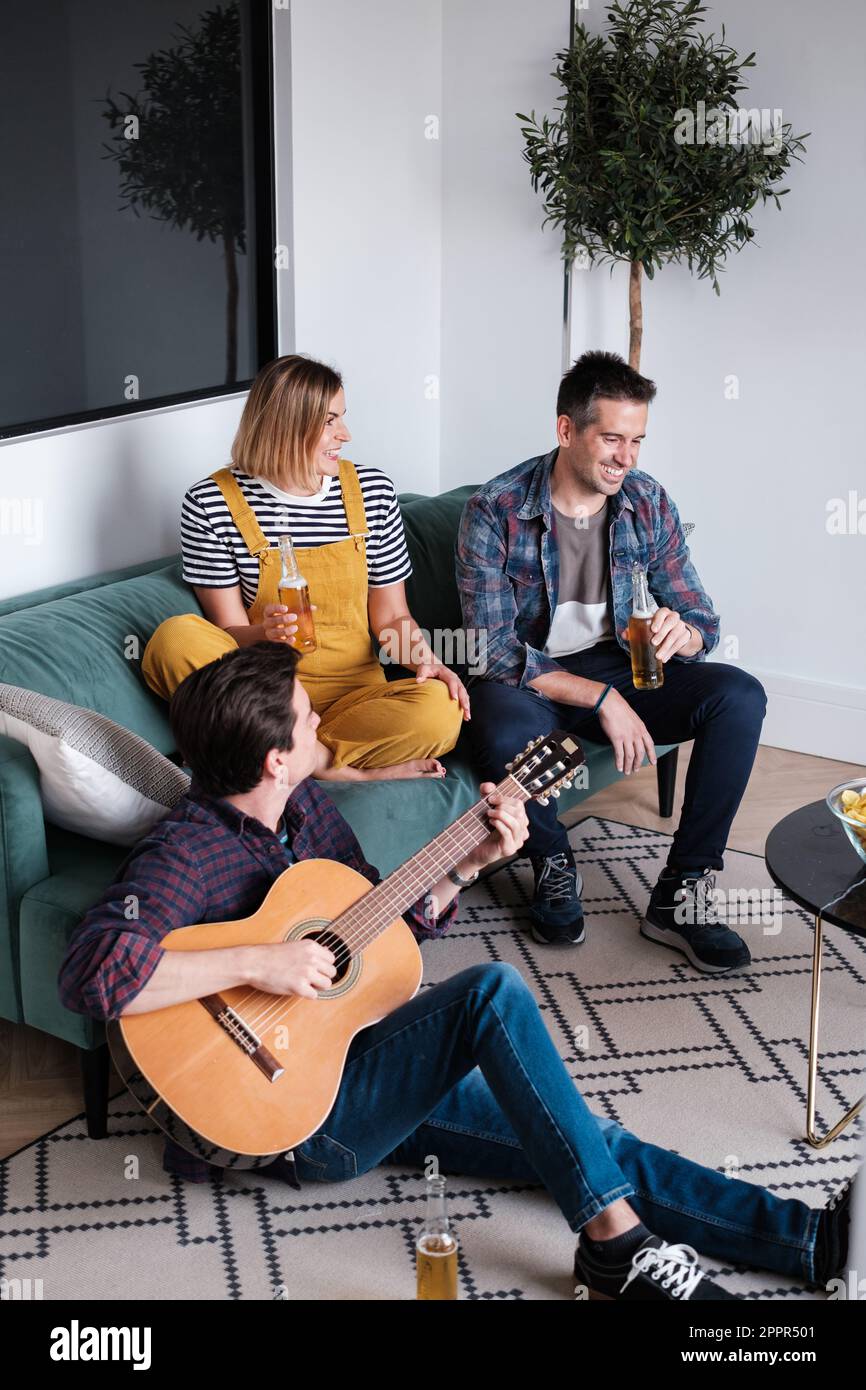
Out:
{"x": 715, "y": 1069}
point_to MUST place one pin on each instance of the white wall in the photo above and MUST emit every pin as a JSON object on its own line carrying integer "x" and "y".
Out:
{"x": 419, "y": 265}
{"x": 104, "y": 496}
{"x": 502, "y": 276}
{"x": 367, "y": 219}
{"x": 756, "y": 474}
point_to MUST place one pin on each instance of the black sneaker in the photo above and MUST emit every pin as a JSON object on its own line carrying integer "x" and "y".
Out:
{"x": 831, "y": 1240}
{"x": 556, "y": 911}
{"x": 658, "y": 1272}
{"x": 682, "y": 915}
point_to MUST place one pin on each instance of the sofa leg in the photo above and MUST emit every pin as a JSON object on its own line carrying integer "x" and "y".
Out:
{"x": 94, "y": 1075}
{"x": 666, "y": 769}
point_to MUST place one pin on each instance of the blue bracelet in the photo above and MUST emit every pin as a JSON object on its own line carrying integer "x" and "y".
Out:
{"x": 597, "y": 706}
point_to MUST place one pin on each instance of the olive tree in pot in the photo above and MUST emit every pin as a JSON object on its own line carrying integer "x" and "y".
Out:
{"x": 651, "y": 157}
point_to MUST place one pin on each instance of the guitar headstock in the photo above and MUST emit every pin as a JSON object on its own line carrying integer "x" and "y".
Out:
{"x": 547, "y": 764}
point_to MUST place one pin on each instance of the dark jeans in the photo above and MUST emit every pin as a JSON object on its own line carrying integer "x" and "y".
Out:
{"x": 721, "y": 707}
{"x": 468, "y": 1072}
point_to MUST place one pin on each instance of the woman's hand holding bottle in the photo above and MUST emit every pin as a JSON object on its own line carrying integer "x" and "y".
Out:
{"x": 279, "y": 623}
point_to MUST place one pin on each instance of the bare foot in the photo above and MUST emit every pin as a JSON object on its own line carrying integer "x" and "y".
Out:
{"x": 416, "y": 767}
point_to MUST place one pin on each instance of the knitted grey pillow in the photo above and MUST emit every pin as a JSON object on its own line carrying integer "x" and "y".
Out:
{"x": 96, "y": 777}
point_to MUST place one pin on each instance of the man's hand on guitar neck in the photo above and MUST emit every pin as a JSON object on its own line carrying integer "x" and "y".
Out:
{"x": 508, "y": 830}
{"x": 508, "y": 826}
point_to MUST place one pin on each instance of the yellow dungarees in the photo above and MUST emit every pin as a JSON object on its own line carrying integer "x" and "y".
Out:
{"x": 367, "y": 721}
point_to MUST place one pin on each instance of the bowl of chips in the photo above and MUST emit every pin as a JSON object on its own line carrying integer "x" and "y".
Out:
{"x": 848, "y": 804}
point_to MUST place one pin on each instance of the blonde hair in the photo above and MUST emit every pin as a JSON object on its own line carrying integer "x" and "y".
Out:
{"x": 283, "y": 420}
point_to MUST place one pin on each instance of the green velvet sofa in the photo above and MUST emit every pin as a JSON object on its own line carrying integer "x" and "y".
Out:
{"x": 82, "y": 643}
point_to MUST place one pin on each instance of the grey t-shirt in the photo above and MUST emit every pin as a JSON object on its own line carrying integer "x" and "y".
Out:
{"x": 582, "y": 616}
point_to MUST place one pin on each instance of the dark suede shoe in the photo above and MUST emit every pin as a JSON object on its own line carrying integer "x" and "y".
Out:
{"x": 831, "y": 1240}
{"x": 556, "y": 911}
{"x": 682, "y": 915}
{"x": 658, "y": 1273}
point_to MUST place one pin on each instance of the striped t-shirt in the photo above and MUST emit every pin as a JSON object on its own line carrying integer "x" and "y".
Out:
{"x": 214, "y": 553}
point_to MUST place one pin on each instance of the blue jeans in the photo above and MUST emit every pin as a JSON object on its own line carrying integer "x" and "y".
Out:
{"x": 468, "y": 1071}
{"x": 720, "y": 707}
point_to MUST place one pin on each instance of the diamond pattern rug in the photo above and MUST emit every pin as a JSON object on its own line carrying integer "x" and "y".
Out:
{"x": 713, "y": 1068}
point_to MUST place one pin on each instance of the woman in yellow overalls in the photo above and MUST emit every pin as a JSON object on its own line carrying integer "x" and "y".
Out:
{"x": 285, "y": 455}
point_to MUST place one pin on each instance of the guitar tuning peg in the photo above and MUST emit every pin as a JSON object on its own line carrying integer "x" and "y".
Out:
{"x": 567, "y": 784}
{"x": 543, "y": 800}
{"x": 555, "y": 792}
{"x": 508, "y": 767}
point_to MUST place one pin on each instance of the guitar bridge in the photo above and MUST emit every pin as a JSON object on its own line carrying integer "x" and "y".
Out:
{"x": 242, "y": 1035}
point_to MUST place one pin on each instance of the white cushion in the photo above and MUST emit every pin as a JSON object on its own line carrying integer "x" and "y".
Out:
{"x": 96, "y": 777}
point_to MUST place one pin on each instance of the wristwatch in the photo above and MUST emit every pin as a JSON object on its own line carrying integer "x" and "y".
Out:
{"x": 459, "y": 882}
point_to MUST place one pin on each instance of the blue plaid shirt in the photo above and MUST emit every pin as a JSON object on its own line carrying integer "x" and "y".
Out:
{"x": 508, "y": 566}
{"x": 205, "y": 862}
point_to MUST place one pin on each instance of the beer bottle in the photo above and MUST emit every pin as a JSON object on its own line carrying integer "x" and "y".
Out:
{"x": 436, "y": 1247}
{"x": 296, "y": 596}
{"x": 647, "y": 672}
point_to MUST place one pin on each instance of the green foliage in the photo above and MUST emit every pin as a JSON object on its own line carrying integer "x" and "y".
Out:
{"x": 186, "y": 167}
{"x": 610, "y": 169}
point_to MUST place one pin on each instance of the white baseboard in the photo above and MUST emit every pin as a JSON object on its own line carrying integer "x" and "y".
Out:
{"x": 815, "y": 717}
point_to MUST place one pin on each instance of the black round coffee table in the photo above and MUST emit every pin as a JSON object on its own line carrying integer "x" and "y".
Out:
{"x": 811, "y": 859}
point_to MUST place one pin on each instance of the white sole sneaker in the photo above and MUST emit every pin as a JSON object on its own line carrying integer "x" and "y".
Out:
{"x": 675, "y": 942}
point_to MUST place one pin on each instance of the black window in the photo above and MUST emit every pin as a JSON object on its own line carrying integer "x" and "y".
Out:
{"x": 136, "y": 237}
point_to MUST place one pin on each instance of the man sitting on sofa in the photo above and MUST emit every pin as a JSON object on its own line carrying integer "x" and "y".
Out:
{"x": 466, "y": 1070}
{"x": 545, "y": 555}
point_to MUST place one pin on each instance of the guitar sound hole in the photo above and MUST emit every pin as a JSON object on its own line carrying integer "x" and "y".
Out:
{"x": 337, "y": 946}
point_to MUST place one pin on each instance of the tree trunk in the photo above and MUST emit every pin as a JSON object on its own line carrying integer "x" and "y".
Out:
{"x": 566, "y": 316}
{"x": 231, "y": 310}
{"x": 635, "y": 314}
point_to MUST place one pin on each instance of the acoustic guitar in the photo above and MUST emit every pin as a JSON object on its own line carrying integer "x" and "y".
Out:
{"x": 247, "y": 1074}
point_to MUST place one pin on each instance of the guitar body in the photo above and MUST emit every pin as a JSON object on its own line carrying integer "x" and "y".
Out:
{"x": 245, "y": 1073}
{"x": 240, "y": 1076}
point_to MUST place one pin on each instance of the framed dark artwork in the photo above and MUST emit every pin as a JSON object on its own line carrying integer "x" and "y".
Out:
{"x": 137, "y": 236}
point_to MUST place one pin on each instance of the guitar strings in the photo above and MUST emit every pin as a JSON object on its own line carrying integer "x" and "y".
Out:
{"x": 347, "y": 946}
{"x": 338, "y": 936}
{"x": 470, "y": 824}
{"x": 278, "y": 1007}
{"x": 343, "y": 945}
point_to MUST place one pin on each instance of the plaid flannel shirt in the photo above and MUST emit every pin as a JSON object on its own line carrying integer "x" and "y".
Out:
{"x": 508, "y": 566}
{"x": 205, "y": 862}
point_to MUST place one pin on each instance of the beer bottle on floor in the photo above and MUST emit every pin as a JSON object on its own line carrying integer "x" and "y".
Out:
{"x": 436, "y": 1247}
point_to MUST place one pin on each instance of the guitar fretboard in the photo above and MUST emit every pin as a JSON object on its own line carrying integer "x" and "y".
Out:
{"x": 364, "y": 920}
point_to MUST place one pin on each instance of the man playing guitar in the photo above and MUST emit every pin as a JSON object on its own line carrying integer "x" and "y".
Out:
{"x": 465, "y": 1070}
